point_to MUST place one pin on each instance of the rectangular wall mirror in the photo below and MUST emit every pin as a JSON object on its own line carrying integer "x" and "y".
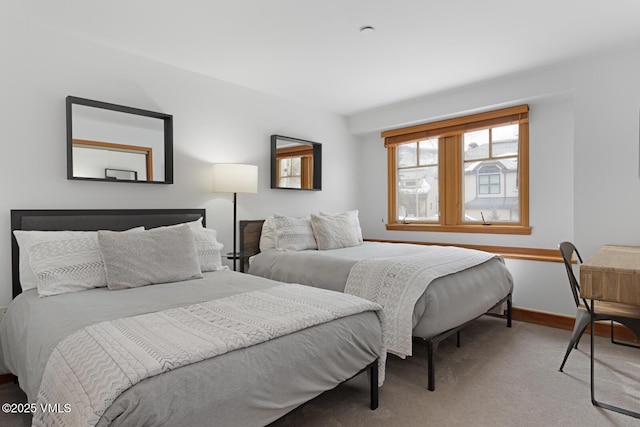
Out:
{"x": 295, "y": 163}
{"x": 109, "y": 142}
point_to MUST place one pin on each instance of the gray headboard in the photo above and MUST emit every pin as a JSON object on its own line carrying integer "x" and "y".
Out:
{"x": 90, "y": 220}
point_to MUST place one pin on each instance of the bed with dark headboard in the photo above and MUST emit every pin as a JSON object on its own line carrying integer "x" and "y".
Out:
{"x": 247, "y": 386}
{"x": 91, "y": 220}
{"x": 448, "y": 304}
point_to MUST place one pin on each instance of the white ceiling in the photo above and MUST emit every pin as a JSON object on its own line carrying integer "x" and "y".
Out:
{"x": 312, "y": 51}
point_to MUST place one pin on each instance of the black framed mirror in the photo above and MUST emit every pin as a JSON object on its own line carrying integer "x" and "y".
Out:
{"x": 115, "y": 143}
{"x": 296, "y": 164}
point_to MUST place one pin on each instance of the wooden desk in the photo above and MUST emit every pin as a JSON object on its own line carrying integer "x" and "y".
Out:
{"x": 612, "y": 274}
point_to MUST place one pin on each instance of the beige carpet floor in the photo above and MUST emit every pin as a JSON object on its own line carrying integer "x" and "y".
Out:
{"x": 498, "y": 377}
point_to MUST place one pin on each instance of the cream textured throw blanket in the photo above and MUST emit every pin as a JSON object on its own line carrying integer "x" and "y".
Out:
{"x": 396, "y": 283}
{"x": 90, "y": 368}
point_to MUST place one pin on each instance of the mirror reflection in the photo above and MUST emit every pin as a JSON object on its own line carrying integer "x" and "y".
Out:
{"x": 109, "y": 142}
{"x": 295, "y": 163}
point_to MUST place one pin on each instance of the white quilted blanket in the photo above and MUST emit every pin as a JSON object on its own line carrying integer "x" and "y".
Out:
{"x": 90, "y": 368}
{"x": 396, "y": 283}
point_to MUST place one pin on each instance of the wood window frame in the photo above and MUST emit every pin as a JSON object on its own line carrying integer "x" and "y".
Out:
{"x": 450, "y": 162}
{"x": 305, "y": 154}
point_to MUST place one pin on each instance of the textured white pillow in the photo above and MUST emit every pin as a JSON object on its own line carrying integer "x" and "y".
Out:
{"x": 334, "y": 231}
{"x": 294, "y": 234}
{"x": 160, "y": 255}
{"x": 69, "y": 265}
{"x": 28, "y": 238}
{"x": 208, "y": 249}
{"x": 355, "y": 221}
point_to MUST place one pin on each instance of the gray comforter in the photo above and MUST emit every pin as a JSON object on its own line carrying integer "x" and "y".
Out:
{"x": 448, "y": 301}
{"x": 250, "y": 386}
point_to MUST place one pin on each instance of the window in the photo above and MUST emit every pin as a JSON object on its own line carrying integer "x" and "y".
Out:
{"x": 418, "y": 180}
{"x": 468, "y": 174}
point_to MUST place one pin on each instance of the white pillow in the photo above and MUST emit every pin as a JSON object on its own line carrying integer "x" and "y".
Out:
{"x": 268, "y": 235}
{"x": 208, "y": 248}
{"x": 355, "y": 222}
{"x": 334, "y": 231}
{"x": 197, "y": 225}
{"x": 28, "y": 238}
{"x": 194, "y": 225}
{"x": 294, "y": 234}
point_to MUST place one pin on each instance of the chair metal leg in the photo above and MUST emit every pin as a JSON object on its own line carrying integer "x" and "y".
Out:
{"x": 582, "y": 320}
{"x": 593, "y": 386}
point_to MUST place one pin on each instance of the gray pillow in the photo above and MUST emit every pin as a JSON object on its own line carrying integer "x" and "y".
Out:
{"x": 148, "y": 257}
{"x": 334, "y": 231}
{"x": 353, "y": 216}
{"x": 293, "y": 234}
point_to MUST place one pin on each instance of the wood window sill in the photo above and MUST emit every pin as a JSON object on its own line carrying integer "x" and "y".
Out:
{"x": 471, "y": 228}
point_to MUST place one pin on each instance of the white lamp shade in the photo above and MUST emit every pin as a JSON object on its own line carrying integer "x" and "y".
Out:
{"x": 235, "y": 178}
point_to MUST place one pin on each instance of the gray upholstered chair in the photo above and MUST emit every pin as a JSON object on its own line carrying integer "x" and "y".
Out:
{"x": 615, "y": 312}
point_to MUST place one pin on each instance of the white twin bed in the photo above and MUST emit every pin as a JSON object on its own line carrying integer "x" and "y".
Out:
{"x": 245, "y": 352}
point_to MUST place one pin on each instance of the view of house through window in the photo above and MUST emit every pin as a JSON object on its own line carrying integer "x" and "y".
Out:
{"x": 491, "y": 175}
{"x": 463, "y": 172}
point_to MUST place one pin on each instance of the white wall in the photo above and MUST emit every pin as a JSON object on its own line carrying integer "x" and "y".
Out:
{"x": 213, "y": 122}
{"x": 584, "y": 186}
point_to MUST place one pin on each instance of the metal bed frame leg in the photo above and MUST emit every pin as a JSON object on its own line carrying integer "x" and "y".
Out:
{"x": 432, "y": 346}
{"x": 373, "y": 385}
{"x": 509, "y": 311}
